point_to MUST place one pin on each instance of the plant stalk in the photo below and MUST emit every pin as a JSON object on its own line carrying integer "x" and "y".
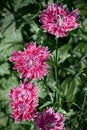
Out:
{"x": 56, "y": 76}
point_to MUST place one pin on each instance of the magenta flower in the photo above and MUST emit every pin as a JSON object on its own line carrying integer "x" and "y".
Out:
{"x": 57, "y": 20}
{"x": 49, "y": 120}
{"x": 24, "y": 100}
{"x": 31, "y": 63}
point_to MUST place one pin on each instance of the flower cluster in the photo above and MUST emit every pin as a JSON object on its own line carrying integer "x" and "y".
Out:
{"x": 32, "y": 65}
{"x": 49, "y": 120}
{"x": 57, "y": 20}
{"x": 24, "y": 100}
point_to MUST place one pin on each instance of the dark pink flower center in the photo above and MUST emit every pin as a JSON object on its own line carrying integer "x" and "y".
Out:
{"x": 48, "y": 126}
{"x": 28, "y": 61}
{"x": 23, "y": 107}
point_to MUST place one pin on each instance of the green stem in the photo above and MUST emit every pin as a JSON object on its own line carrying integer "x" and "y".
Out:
{"x": 56, "y": 75}
{"x": 82, "y": 110}
{"x": 83, "y": 106}
{"x": 84, "y": 101}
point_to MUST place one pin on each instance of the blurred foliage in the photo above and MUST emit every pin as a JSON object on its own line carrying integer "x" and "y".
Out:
{"x": 19, "y": 24}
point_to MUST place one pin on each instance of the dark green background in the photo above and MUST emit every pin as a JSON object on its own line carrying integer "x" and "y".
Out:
{"x": 19, "y": 24}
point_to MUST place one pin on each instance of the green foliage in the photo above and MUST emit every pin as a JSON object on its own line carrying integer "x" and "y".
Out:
{"x": 20, "y": 25}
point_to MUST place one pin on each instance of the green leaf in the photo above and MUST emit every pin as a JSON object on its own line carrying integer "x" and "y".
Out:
{"x": 12, "y": 34}
{"x": 62, "y": 54}
{"x": 11, "y": 41}
{"x": 70, "y": 87}
{"x": 61, "y": 110}
{"x": 42, "y": 91}
{"x": 46, "y": 104}
{"x": 6, "y": 84}
{"x": 4, "y": 69}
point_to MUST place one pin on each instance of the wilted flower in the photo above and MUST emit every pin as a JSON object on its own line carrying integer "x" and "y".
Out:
{"x": 57, "y": 20}
{"x": 31, "y": 63}
{"x": 49, "y": 120}
{"x": 24, "y": 100}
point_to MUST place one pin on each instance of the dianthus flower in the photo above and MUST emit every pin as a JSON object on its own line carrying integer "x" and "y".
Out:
{"x": 31, "y": 63}
{"x": 57, "y": 20}
{"x": 49, "y": 120}
{"x": 24, "y": 100}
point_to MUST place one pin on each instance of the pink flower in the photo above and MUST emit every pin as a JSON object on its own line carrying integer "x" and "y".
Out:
{"x": 31, "y": 63}
{"x": 49, "y": 120}
{"x": 24, "y": 100}
{"x": 57, "y": 20}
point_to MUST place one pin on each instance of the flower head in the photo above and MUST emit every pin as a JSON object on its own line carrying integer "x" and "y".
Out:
{"x": 49, "y": 120}
{"x": 24, "y": 100}
{"x": 31, "y": 63}
{"x": 57, "y": 20}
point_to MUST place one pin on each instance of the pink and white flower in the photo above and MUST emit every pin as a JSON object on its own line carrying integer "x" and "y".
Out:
{"x": 57, "y": 20}
{"x": 24, "y": 100}
{"x": 49, "y": 120}
{"x": 31, "y": 63}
